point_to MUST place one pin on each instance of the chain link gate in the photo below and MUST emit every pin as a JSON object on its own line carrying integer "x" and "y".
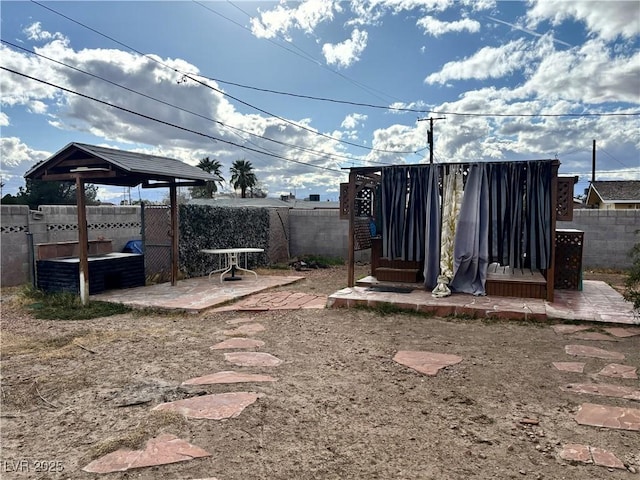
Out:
{"x": 156, "y": 239}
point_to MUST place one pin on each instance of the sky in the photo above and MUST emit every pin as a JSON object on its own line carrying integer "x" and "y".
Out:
{"x": 306, "y": 90}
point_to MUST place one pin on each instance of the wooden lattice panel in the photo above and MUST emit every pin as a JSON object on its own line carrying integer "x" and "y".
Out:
{"x": 568, "y": 264}
{"x": 362, "y": 233}
{"x": 344, "y": 201}
{"x": 564, "y": 205}
{"x": 364, "y": 202}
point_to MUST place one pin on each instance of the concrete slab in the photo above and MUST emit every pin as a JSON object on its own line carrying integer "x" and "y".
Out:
{"x": 252, "y": 359}
{"x": 193, "y": 294}
{"x": 229, "y": 377}
{"x": 212, "y": 407}
{"x": 608, "y": 416}
{"x": 604, "y": 389}
{"x": 593, "y": 352}
{"x": 240, "y": 342}
{"x": 615, "y": 370}
{"x": 574, "y": 367}
{"x": 428, "y": 363}
{"x": 161, "y": 450}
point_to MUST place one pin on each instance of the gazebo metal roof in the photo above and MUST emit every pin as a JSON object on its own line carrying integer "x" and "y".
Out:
{"x": 109, "y": 166}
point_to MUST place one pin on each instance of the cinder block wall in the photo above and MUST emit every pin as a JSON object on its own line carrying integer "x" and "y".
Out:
{"x": 321, "y": 232}
{"x": 609, "y": 236}
{"x": 23, "y": 229}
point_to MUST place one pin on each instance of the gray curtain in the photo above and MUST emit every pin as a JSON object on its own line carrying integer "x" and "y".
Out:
{"x": 414, "y": 227}
{"x": 432, "y": 228}
{"x": 394, "y": 204}
{"x": 471, "y": 248}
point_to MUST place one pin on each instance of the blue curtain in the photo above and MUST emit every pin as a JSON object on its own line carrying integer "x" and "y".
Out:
{"x": 471, "y": 245}
{"x": 432, "y": 227}
{"x": 394, "y": 204}
{"x": 414, "y": 227}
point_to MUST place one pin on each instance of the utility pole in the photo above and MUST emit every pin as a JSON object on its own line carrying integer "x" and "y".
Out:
{"x": 430, "y": 134}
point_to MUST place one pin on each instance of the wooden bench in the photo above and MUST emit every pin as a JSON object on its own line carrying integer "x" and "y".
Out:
{"x": 515, "y": 282}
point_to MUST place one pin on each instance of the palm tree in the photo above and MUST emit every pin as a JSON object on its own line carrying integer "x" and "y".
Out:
{"x": 210, "y": 166}
{"x": 242, "y": 176}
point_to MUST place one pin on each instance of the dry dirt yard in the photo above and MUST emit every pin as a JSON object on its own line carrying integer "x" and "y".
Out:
{"x": 341, "y": 408}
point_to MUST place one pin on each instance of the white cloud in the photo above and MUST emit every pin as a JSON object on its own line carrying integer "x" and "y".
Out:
{"x": 587, "y": 74}
{"x": 35, "y": 32}
{"x": 605, "y": 19}
{"x": 4, "y": 120}
{"x": 352, "y": 120}
{"x": 434, "y": 27}
{"x": 348, "y": 52}
{"x": 306, "y": 16}
{"x": 488, "y": 62}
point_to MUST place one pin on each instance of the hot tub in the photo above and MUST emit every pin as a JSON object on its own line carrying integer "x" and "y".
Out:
{"x": 107, "y": 271}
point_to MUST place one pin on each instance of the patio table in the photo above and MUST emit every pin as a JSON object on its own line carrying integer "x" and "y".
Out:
{"x": 231, "y": 263}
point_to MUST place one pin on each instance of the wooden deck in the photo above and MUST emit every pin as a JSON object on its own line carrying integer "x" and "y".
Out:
{"x": 515, "y": 282}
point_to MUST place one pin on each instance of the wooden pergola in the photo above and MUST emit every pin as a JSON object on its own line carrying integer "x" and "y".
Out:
{"x": 82, "y": 163}
{"x": 360, "y": 199}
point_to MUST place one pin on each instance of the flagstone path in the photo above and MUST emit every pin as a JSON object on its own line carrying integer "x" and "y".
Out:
{"x": 161, "y": 450}
{"x": 217, "y": 406}
{"x": 428, "y": 363}
{"x": 605, "y": 416}
{"x": 238, "y": 343}
{"x": 252, "y": 359}
{"x": 229, "y": 377}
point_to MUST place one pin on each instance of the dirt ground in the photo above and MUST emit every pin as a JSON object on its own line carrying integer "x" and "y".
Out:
{"x": 341, "y": 408}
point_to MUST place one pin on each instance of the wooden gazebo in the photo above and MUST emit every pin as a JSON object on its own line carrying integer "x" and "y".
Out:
{"x": 505, "y": 214}
{"x": 82, "y": 163}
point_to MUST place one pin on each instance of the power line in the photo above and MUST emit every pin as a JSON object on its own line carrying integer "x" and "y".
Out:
{"x": 186, "y": 75}
{"x": 230, "y": 127}
{"x": 148, "y": 117}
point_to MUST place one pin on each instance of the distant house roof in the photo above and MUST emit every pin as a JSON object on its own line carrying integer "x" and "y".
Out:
{"x": 262, "y": 202}
{"x": 110, "y": 166}
{"x": 615, "y": 191}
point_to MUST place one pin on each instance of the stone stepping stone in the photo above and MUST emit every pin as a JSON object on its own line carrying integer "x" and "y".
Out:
{"x": 246, "y": 329}
{"x": 622, "y": 332}
{"x": 608, "y": 416}
{"x": 567, "y": 329}
{"x": 212, "y": 407}
{"x": 160, "y": 450}
{"x": 586, "y": 351}
{"x": 239, "y": 320}
{"x": 229, "y": 377}
{"x": 607, "y": 390}
{"x": 426, "y": 362}
{"x": 574, "y": 367}
{"x": 252, "y": 359}
{"x": 574, "y": 452}
{"x": 238, "y": 342}
{"x": 615, "y": 370}
{"x": 593, "y": 336}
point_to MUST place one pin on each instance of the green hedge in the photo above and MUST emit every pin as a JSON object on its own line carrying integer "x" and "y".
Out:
{"x": 203, "y": 226}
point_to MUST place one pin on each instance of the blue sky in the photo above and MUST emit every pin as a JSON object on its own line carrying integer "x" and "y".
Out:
{"x": 514, "y": 80}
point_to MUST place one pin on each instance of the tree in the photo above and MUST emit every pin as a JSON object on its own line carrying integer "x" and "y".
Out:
{"x": 38, "y": 192}
{"x": 211, "y": 187}
{"x": 242, "y": 176}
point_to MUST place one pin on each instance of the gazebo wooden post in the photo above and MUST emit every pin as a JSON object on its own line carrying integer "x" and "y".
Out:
{"x": 173, "y": 194}
{"x": 83, "y": 241}
{"x": 352, "y": 214}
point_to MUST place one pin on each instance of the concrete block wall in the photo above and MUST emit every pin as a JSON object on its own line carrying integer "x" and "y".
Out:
{"x": 23, "y": 229}
{"x": 609, "y": 236}
{"x": 14, "y": 245}
{"x": 321, "y": 232}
